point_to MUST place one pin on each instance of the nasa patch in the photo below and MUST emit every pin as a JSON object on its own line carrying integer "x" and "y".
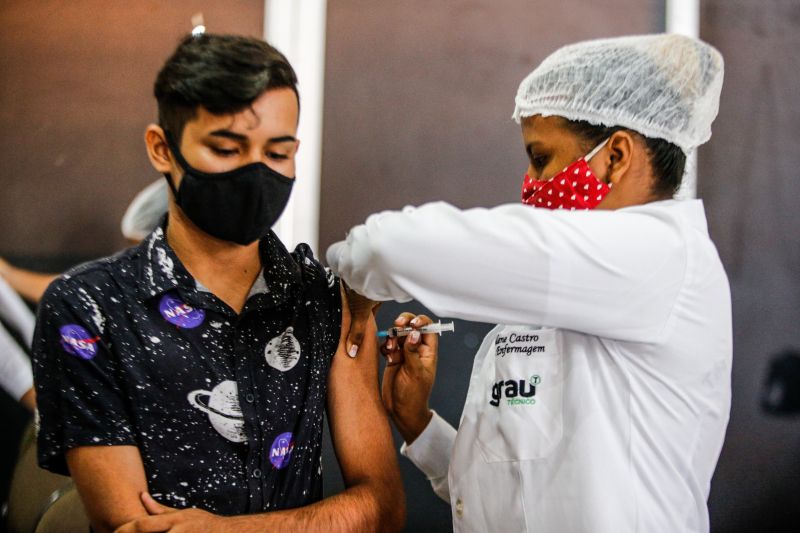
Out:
{"x": 76, "y": 340}
{"x": 181, "y": 314}
{"x": 280, "y": 453}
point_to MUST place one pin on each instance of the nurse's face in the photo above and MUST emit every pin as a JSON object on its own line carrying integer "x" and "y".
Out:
{"x": 550, "y": 146}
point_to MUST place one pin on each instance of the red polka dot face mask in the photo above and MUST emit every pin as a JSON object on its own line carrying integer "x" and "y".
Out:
{"x": 575, "y": 187}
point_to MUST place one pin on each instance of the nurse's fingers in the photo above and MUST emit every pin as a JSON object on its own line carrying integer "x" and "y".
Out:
{"x": 392, "y": 352}
{"x": 411, "y": 351}
{"x": 404, "y": 319}
{"x": 430, "y": 340}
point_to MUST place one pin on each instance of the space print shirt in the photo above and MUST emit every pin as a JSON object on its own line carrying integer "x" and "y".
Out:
{"x": 226, "y": 409}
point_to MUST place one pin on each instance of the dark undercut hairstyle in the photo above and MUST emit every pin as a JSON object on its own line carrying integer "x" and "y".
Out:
{"x": 222, "y": 73}
{"x": 666, "y": 159}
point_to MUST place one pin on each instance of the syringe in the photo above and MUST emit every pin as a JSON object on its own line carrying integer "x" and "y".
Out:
{"x": 430, "y": 328}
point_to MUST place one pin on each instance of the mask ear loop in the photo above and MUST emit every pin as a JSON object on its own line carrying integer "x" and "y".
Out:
{"x": 596, "y": 149}
{"x": 594, "y": 152}
{"x": 178, "y": 157}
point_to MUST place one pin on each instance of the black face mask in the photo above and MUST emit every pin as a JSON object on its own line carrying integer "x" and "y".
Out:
{"x": 240, "y": 205}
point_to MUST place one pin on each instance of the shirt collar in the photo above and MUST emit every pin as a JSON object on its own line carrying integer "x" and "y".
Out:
{"x": 162, "y": 271}
{"x": 280, "y": 272}
{"x": 692, "y": 209}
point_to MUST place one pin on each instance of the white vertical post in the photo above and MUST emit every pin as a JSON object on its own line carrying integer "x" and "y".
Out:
{"x": 683, "y": 17}
{"x": 297, "y": 29}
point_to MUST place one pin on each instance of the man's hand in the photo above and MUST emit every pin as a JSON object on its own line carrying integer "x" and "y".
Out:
{"x": 361, "y": 311}
{"x": 409, "y": 376}
{"x": 163, "y": 518}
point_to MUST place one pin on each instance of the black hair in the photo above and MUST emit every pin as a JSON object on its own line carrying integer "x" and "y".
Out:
{"x": 222, "y": 73}
{"x": 666, "y": 159}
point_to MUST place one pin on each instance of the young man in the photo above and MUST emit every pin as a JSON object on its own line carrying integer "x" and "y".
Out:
{"x": 192, "y": 372}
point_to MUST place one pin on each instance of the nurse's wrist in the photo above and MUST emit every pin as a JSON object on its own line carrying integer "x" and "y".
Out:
{"x": 412, "y": 427}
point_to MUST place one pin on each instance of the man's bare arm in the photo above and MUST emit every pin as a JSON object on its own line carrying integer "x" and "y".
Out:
{"x": 374, "y": 499}
{"x": 109, "y": 480}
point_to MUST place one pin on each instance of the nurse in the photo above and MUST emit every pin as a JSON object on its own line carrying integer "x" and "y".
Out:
{"x": 600, "y": 402}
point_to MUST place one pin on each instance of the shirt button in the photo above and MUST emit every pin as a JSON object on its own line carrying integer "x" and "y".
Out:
{"x": 256, "y": 473}
{"x": 250, "y": 398}
{"x": 459, "y": 507}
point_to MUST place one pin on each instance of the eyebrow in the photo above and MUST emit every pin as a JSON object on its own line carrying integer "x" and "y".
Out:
{"x": 534, "y": 145}
{"x": 228, "y": 134}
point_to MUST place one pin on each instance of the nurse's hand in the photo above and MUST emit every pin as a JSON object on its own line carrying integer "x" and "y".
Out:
{"x": 409, "y": 376}
{"x": 361, "y": 310}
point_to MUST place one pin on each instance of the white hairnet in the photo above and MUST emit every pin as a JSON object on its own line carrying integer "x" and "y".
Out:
{"x": 145, "y": 211}
{"x": 663, "y": 86}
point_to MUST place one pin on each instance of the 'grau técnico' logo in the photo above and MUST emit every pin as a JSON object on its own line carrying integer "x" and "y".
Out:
{"x": 515, "y": 391}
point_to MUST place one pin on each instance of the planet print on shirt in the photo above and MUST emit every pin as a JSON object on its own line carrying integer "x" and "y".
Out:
{"x": 223, "y": 409}
{"x": 283, "y": 352}
{"x": 77, "y": 341}
{"x": 177, "y": 312}
{"x": 280, "y": 453}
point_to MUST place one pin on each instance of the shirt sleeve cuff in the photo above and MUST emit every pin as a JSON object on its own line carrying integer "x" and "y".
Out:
{"x": 20, "y": 383}
{"x": 431, "y": 451}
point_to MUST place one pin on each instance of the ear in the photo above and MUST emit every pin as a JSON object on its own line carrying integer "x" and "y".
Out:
{"x": 620, "y": 150}
{"x": 157, "y": 149}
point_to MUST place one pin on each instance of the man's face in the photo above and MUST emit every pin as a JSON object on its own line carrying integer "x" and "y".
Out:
{"x": 265, "y": 132}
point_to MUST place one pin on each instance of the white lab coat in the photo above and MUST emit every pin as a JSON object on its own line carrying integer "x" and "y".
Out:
{"x": 601, "y": 405}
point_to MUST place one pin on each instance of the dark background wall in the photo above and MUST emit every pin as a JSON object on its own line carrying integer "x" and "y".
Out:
{"x": 76, "y": 95}
{"x": 417, "y": 107}
{"x": 750, "y": 182}
{"x": 419, "y": 96}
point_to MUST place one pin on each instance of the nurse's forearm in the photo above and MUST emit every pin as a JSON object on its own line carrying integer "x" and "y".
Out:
{"x": 515, "y": 264}
{"x": 411, "y": 426}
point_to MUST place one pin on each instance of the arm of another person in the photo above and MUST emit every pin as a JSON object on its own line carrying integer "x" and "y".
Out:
{"x": 31, "y": 285}
{"x": 608, "y": 273}
{"x": 373, "y": 499}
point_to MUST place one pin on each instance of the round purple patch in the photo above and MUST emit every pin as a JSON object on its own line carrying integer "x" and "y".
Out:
{"x": 179, "y": 313}
{"x": 77, "y": 341}
{"x": 280, "y": 453}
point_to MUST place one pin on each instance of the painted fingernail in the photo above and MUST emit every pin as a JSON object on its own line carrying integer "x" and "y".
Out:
{"x": 389, "y": 358}
{"x": 415, "y": 321}
{"x": 353, "y": 350}
{"x": 390, "y": 344}
{"x": 414, "y": 337}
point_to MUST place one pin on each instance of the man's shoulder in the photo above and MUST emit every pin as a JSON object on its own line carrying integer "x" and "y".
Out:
{"x": 100, "y": 277}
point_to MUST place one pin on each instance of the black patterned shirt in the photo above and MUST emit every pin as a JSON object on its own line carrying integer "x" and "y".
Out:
{"x": 226, "y": 409}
